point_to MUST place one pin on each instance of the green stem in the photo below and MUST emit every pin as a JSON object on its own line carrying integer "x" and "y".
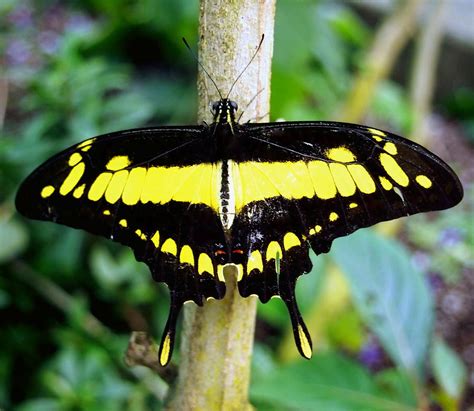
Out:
{"x": 389, "y": 41}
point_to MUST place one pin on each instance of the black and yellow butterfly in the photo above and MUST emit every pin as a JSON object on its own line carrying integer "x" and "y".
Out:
{"x": 189, "y": 200}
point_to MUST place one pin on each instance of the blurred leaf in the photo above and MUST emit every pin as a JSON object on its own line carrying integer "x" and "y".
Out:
{"x": 4, "y": 298}
{"x": 391, "y": 106}
{"x": 350, "y": 26}
{"x": 448, "y": 369}
{"x": 327, "y": 382}
{"x": 13, "y": 239}
{"x": 460, "y": 104}
{"x": 397, "y": 385}
{"x": 41, "y": 404}
{"x": 391, "y": 295}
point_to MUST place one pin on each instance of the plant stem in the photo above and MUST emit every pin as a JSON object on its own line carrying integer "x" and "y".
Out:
{"x": 389, "y": 41}
{"x": 424, "y": 69}
{"x": 217, "y": 341}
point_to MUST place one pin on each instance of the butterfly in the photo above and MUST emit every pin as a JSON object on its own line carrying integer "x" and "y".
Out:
{"x": 189, "y": 200}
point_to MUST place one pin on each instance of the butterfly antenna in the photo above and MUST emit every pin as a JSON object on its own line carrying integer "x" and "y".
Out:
{"x": 248, "y": 105}
{"x": 203, "y": 68}
{"x": 248, "y": 64}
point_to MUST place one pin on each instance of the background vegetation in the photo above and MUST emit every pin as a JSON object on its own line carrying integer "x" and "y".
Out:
{"x": 391, "y": 316}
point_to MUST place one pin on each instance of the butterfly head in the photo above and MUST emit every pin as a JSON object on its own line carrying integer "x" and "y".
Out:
{"x": 224, "y": 111}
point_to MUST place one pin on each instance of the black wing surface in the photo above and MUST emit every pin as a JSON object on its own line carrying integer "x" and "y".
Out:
{"x": 306, "y": 184}
{"x": 150, "y": 189}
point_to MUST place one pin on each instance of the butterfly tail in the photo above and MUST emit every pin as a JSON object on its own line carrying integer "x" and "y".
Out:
{"x": 169, "y": 334}
{"x": 300, "y": 331}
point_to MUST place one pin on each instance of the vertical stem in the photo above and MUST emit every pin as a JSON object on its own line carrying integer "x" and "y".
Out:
{"x": 217, "y": 341}
{"x": 424, "y": 68}
{"x": 389, "y": 41}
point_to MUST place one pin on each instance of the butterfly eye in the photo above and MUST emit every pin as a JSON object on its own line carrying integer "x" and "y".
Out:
{"x": 234, "y": 105}
{"x": 215, "y": 106}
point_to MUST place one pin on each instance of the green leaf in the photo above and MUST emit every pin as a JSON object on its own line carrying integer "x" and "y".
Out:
{"x": 448, "y": 369}
{"x": 41, "y": 404}
{"x": 13, "y": 239}
{"x": 327, "y": 382}
{"x": 391, "y": 295}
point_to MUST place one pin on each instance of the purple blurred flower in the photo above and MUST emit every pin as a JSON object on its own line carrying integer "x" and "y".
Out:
{"x": 421, "y": 260}
{"x": 18, "y": 52}
{"x": 48, "y": 41}
{"x": 21, "y": 17}
{"x": 372, "y": 355}
{"x": 78, "y": 22}
{"x": 436, "y": 282}
{"x": 449, "y": 237}
{"x": 53, "y": 18}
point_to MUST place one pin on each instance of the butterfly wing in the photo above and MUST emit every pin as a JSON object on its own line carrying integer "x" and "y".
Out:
{"x": 301, "y": 184}
{"x": 150, "y": 189}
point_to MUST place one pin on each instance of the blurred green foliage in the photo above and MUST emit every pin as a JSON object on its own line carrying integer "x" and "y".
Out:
{"x": 68, "y": 301}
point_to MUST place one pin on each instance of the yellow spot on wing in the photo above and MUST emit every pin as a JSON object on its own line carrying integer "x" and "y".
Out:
{"x": 273, "y": 251}
{"x": 165, "y": 350}
{"x": 99, "y": 186}
{"x": 134, "y": 186}
{"x": 72, "y": 179}
{"x": 333, "y": 216}
{"x": 106, "y": 212}
{"x": 322, "y": 179}
{"x": 393, "y": 169}
{"x": 290, "y": 240}
{"x": 390, "y": 148}
{"x": 312, "y": 231}
{"x": 376, "y": 134}
{"x": 169, "y": 246}
{"x": 318, "y": 228}
{"x": 255, "y": 262}
{"x": 79, "y": 191}
{"x": 192, "y": 184}
{"x": 116, "y": 186}
{"x": 123, "y": 222}
{"x": 240, "y": 271}
{"x": 304, "y": 343}
{"x": 205, "y": 264}
{"x": 343, "y": 180}
{"x": 387, "y": 185}
{"x": 423, "y": 181}
{"x": 47, "y": 191}
{"x": 86, "y": 145}
{"x": 341, "y": 154}
{"x": 186, "y": 255}
{"x": 156, "y": 239}
{"x": 74, "y": 159}
{"x": 220, "y": 273}
{"x": 362, "y": 178}
{"x": 118, "y": 163}
{"x": 302, "y": 183}
{"x": 353, "y": 205}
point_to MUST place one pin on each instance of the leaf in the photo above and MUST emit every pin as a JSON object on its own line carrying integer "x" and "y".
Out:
{"x": 391, "y": 295}
{"x": 13, "y": 239}
{"x": 41, "y": 404}
{"x": 448, "y": 369}
{"x": 327, "y": 382}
